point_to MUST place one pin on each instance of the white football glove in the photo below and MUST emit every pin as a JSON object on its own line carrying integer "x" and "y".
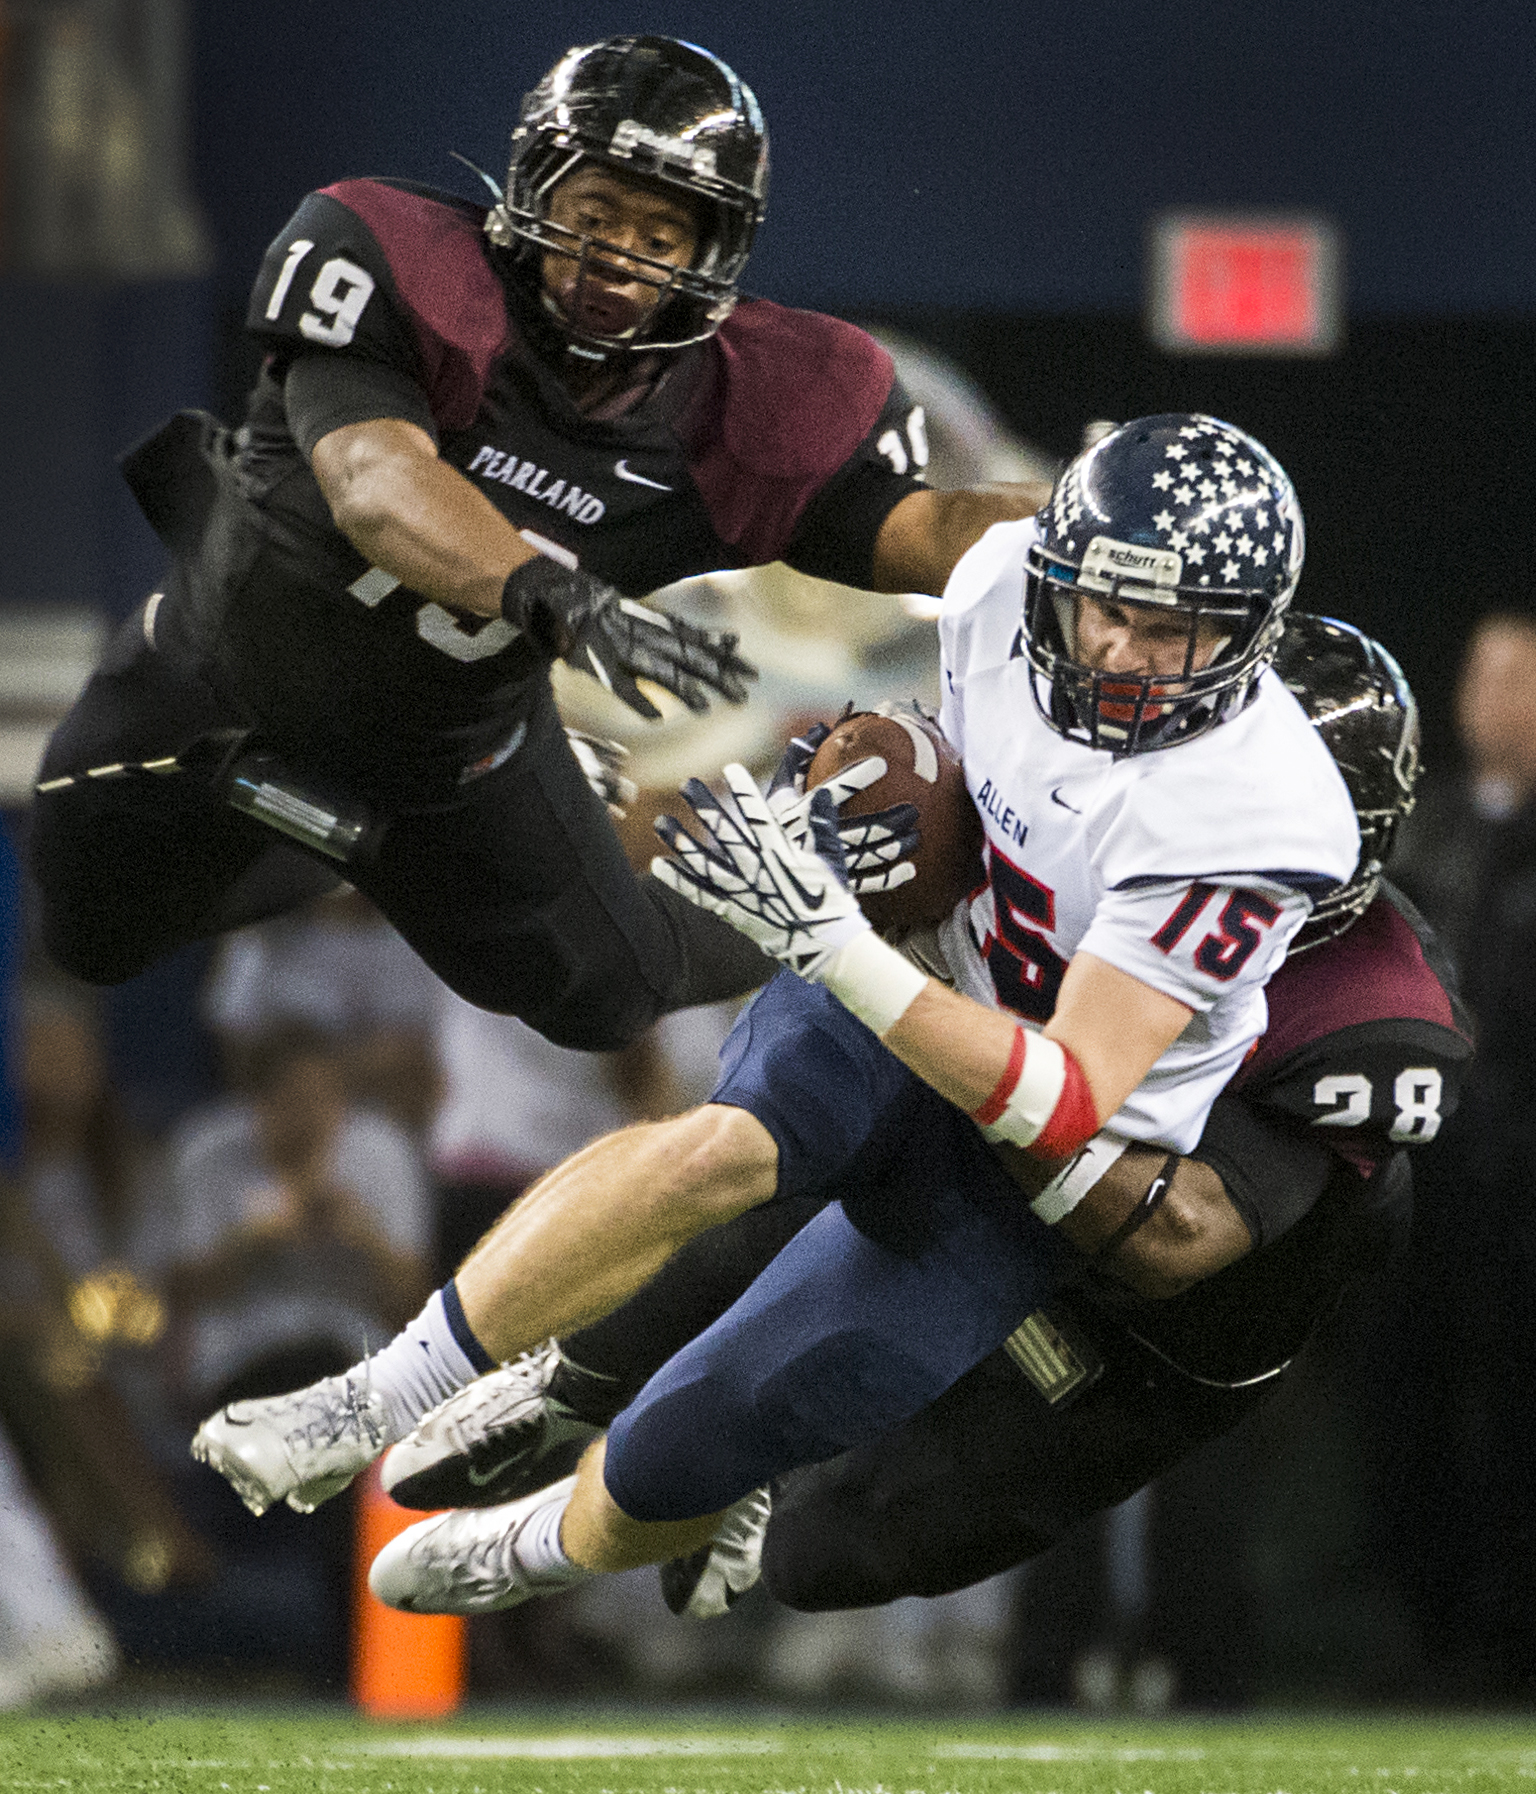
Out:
{"x": 789, "y": 895}
{"x": 877, "y": 848}
{"x": 601, "y": 764}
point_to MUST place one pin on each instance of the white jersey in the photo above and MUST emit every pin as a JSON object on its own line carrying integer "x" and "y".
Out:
{"x": 1189, "y": 868}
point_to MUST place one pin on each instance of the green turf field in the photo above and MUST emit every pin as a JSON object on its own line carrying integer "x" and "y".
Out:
{"x": 594, "y": 1753}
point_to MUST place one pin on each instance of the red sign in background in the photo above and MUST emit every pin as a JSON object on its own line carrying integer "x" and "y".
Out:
{"x": 1244, "y": 286}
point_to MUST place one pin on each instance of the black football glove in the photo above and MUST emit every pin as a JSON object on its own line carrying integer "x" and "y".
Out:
{"x": 573, "y": 617}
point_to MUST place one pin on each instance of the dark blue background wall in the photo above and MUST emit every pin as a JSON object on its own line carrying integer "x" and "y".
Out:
{"x": 953, "y": 152}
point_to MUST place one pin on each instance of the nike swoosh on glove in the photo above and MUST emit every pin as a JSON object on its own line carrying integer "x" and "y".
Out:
{"x": 573, "y": 617}
{"x": 791, "y": 898}
{"x": 877, "y": 847}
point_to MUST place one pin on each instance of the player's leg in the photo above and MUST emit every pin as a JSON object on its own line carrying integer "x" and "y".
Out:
{"x": 519, "y": 896}
{"x": 820, "y": 1086}
{"x": 129, "y": 864}
{"x": 804, "y": 1087}
{"x": 988, "y": 1476}
{"x": 580, "y": 1241}
{"x": 840, "y": 1339}
{"x": 525, "y": 1426}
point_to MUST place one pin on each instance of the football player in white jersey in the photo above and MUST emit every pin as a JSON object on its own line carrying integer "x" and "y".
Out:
{"x": 1171, "y": 894}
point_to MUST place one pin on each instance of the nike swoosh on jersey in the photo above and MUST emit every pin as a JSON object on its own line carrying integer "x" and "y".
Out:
{"x": 1057, "y": 798}
{"x": 621, "y": 468}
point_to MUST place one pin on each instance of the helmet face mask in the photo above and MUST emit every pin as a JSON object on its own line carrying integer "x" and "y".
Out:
{"x": 1168, "y": 517}
{"x": 1358, "y": 700}
{"x": 659, "y": 113}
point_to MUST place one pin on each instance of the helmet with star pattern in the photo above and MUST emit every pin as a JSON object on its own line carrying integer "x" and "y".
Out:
{"x": 1183, "y": 515}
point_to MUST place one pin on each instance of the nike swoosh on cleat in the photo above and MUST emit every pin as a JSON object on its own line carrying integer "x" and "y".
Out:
{"x": 479, "y": 1478}
{"x": 1057, "y": 798}
{"x": 621, "y": 468}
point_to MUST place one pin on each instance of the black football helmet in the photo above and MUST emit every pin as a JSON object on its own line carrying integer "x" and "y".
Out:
{"x": 665, "y": 110}
{"x": 1180, "y": 513}
{"x": 1362, "y": 706}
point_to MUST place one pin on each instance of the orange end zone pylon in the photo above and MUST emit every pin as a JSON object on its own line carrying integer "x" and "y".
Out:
{"x": 404, "y": 1665}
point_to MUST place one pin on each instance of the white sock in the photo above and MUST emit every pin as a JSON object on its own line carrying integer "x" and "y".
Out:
{"x": 538, "y": 1544}
{"x": 419, "y": 1368}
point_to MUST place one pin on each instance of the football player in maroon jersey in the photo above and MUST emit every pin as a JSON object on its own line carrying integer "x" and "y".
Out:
{"x": 479, "y": 436}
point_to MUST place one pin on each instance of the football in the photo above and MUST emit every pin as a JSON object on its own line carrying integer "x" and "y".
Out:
{"x": 923, "y": 770}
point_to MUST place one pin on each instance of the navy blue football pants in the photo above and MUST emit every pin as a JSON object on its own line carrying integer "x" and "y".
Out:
{"x": 926, "y": 1261}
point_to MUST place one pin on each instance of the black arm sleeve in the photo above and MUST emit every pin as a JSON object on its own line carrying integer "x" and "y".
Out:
{"x": 1273, "y": 1172}
{"x": 324, "y": 392}
{"x": 835, "y": 537}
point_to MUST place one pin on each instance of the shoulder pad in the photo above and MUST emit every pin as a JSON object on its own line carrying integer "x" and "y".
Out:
{"x": 1375, "y": 971}
{"x": 1259, "y": 797}
{"x": 784, "y": 402}
{"x": 797, "y": 391}
{"x": 434, "y": 248}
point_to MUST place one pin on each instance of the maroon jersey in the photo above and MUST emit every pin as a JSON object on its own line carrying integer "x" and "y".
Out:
{"x": 1367, "y": 1041}
{"x": 784, "y": 436}
{"x": 1366, "y": 1048}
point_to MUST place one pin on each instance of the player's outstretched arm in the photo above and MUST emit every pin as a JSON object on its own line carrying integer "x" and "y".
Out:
{"x": 1156, "y": 1223}
{"x": 1047, "y": 1093}
{"x": 924, "y": 535}
{"x": 416, "y": 517}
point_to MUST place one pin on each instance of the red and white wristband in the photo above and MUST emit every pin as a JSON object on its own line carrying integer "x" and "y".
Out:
{"x": 1041, "y": 1102}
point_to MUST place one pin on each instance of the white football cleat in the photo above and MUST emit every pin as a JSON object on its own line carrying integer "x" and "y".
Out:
{"x": 301, "y": 1448}
{"x": 491, "y": 1442}
{"x": 468, "y": 1560}
{"x": 711, "y": 1580}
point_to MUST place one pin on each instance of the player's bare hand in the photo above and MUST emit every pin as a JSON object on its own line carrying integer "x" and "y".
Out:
{"x": 575, "y": 618}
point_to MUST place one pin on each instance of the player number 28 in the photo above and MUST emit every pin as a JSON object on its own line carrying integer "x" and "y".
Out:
{"x": 1347, "y": 1096}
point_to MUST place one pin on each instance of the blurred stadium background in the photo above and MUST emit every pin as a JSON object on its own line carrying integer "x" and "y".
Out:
{"x": 982, "y": 184}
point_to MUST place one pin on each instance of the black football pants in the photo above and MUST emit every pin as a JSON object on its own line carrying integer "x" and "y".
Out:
{"x": 518, "y": 895}
{"x": 986, "y": 1477}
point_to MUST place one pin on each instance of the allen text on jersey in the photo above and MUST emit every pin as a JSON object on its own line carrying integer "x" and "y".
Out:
{"x": 1008, "y": 820}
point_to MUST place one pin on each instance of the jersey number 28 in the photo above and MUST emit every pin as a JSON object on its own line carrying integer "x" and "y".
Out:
{"x": 1347, "y": 1097}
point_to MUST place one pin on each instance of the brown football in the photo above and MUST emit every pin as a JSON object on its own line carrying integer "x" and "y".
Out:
{"x": 923, "y": 770}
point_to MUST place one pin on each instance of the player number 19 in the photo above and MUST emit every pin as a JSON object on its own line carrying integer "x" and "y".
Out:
{"x": 340, "y": 294}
